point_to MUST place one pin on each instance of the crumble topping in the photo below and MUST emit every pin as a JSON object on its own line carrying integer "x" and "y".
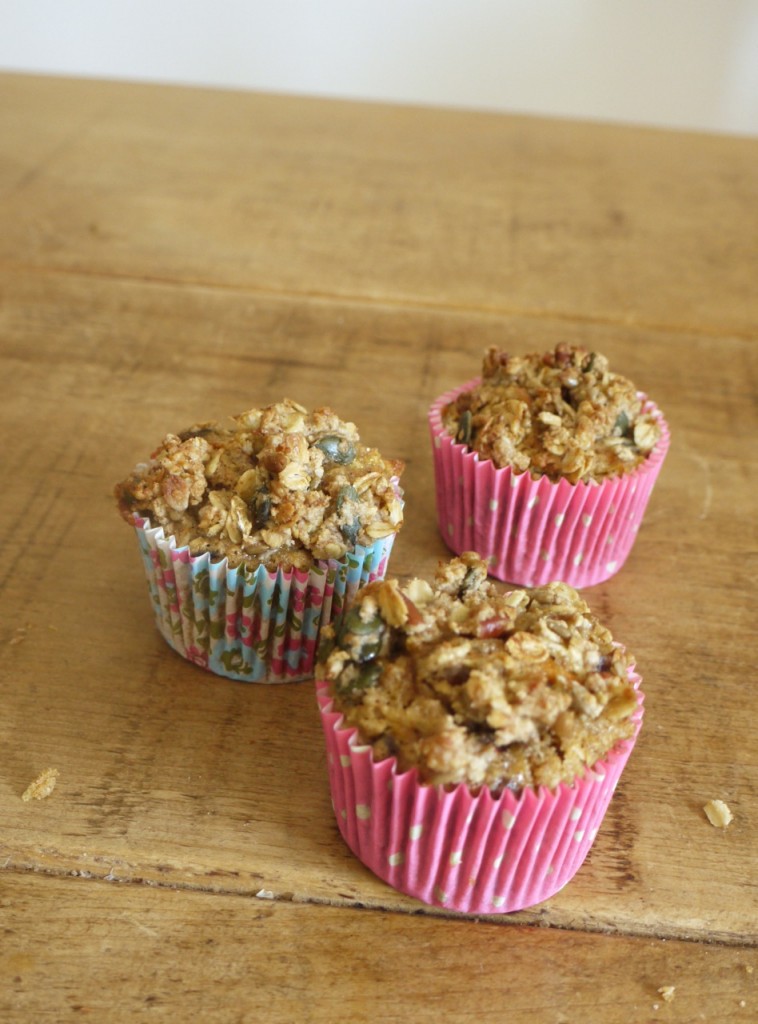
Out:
{"x": 471, "y": 683}
{"x": 561, "y": 414}
{"x": 281, "y": 487}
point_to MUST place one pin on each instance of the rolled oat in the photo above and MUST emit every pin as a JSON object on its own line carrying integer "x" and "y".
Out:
{"x": 470, "y": 683}
{"x": 562, "y": 414}
{"x": 281, "y": 487}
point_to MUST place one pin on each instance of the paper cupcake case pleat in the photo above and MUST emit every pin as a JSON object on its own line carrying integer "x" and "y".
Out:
{"x": 476, "y": 854}
{"x": 529, "y": 531}
{"x": 256, "y": 626}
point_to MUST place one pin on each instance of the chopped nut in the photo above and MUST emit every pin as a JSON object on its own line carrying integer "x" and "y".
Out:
{"x": 457, "y": 679}
{"x": 295, "y": 477}
{"x": 718, "y": 813}
{"x": 42, "y": 786}
{"x": 391, "y": 604}
{"x": 667, "y": 991}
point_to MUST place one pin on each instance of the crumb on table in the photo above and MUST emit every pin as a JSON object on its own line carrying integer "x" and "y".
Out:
{"x": 718, "y": 813}
{"x": 42, "y": 786}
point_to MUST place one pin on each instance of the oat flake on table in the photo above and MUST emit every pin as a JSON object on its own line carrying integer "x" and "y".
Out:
{"x": 42, "y": 786}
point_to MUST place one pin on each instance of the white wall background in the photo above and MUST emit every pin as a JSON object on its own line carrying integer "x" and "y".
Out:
{"x": 675, "y": 63}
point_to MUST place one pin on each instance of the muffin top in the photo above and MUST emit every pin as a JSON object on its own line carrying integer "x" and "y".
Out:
{"x": 473, "y": 684}
{"x": 281, "y": 486}
{"x": 560, "y": 414}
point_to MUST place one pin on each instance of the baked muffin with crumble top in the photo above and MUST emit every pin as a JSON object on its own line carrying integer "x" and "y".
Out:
{"x": 286, "y": 509}
{"x": 545, "y": 465}
{"x": 514, "y": 708}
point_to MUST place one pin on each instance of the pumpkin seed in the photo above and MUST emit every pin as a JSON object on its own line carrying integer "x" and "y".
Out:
{"x": 353, "y": 623}
{"x": 475, "y": 576}
{"x": 621, "y": 426}
{"x": 336, "y": 449}
{"x": 260, "y": 508}
{"x": 353, "y": 680}
{"x": 348, "y": 530}
{"x": 325, "y": 648}
{"x": 362, "y": 640}
{"x": 463, "y": 434}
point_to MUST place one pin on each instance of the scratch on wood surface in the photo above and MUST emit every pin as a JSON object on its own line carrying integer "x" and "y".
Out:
{"x": 704, "y": 465}
{"x": 142, "y": 927}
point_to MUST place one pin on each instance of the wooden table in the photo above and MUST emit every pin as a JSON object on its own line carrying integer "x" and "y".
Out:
{"x": 169, "y": 255}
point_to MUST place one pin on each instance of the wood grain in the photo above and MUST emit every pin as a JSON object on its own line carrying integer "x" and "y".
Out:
{"x": 381, "y": 203}
{"x": 70, "y": 947}
{"x": 174, "y": 255}
{"x": 170, "y": 774}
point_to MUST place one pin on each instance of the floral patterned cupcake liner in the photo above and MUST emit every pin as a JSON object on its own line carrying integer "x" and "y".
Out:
{"x": 531, "y": 532}
{"x": 257, "y": 626}
{"x": 472, "y": 853}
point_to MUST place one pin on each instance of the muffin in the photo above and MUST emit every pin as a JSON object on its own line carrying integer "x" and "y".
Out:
{"x": 474, "y": 735}
{"x": 545, "y": 465}
{"x": 256, "y": 534}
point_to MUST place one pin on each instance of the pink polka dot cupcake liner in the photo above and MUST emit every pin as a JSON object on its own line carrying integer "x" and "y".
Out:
{"x": 474, "y": 853}
{"x": 254, "y": 626}
{"x": 531, "y": 532}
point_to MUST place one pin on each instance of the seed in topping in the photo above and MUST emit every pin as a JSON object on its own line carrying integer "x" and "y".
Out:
{"x": 361, "y": 639}
{"x": 354, "y": 680}
{"x": 336, "y": 449}
{"x": 325, "y": 648}
{"x": 463, "y": 433}
{"x": 589, "y": 362}
{"x": 261, "y": 509}
{"x": 346, "y": 493}
{"x": 350, "y": 529}
{"x": 621, "y": 426}
{"x": 354, "y": 623}
{"x": 475, "y": 576}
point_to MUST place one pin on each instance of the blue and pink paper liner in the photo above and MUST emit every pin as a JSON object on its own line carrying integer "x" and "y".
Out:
{"x": 256, "y": 626}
